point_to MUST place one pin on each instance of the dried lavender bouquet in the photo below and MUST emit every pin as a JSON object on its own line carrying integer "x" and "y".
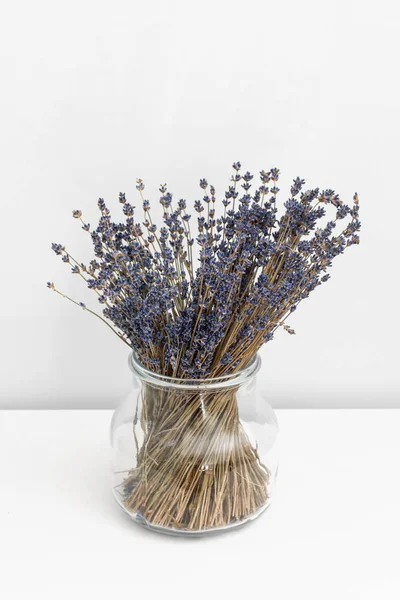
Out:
{"x": 198, "y": 305}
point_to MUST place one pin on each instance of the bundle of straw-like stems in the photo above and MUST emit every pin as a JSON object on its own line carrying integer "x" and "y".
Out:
{"x": 196, "y": 467}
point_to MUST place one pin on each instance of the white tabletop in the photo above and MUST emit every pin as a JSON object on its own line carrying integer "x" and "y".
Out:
{"x": 333, "y": 531}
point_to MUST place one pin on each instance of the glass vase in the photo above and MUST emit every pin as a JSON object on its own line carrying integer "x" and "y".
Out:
{"x": 194, "y": 456}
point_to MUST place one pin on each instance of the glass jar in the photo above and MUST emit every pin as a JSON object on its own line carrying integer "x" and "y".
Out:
{"x": 194, "y": 456}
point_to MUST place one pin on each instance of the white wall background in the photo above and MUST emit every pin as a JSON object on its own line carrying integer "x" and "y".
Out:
{"x": 95, "y": 94}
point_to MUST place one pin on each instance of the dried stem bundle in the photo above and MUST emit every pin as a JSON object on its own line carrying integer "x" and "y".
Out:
{"x": 194, "y": 473}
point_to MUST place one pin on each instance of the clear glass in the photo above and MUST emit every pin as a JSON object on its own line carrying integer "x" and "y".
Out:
{"x": 194, "y": 456}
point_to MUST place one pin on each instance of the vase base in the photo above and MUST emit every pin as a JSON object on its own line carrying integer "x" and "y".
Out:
{"x": 140, "y": 520}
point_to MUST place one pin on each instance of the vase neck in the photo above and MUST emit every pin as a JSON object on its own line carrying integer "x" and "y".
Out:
{"x": 231, "y": 380}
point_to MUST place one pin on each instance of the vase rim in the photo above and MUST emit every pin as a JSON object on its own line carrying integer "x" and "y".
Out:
{"x": 222, "y": 381}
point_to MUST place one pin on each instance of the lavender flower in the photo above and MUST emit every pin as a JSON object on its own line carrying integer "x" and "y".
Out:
{"x": 189, "y": 319}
